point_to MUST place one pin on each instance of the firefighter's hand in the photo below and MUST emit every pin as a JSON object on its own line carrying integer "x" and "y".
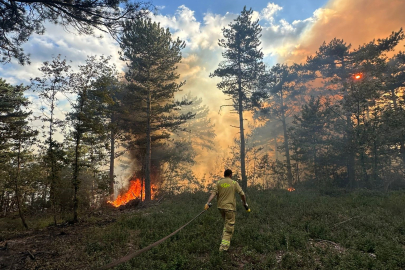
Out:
{"x": 207, "y": 206}
{"x": 247, "y": 207}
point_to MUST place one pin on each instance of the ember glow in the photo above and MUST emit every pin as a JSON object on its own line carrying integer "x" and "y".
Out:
{"x": 290, "y": 189}
{"x": 134, "y": 192}
{"x": 357, "y": 76}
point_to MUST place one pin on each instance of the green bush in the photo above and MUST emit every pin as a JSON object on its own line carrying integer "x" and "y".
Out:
{"x": 285, "y": 230}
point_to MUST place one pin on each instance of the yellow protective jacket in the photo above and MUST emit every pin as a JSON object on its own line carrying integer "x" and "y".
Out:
{"x": 225, "y": 190}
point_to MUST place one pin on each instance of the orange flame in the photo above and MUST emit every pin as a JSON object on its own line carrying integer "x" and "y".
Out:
{"x": 358, "y": 76}
{"x": 134, "y": 192}
{"x": 290, "y": 189}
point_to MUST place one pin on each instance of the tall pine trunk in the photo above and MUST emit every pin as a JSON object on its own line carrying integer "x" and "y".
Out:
{"x": 350, "y": 165}
{"x": 350, "y": 154}
{"x": 112, "y": 157}
{"x": 17, "y": 191}
{"x": 148, "y": 149}
{"x": 275, "y": 147}
{"x": 286, "y": 147}
{"x": 53, "y": 165}
{"x": 76, "y": 177}
{"x": 242, "y": 132}
{"x": 76, "y": 181}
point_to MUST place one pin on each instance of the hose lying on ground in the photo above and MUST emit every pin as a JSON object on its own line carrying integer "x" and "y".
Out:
{"x": 138, "y": 252}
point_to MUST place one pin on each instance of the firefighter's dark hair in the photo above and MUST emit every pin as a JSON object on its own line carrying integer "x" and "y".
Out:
{"x": 227, "y": 172}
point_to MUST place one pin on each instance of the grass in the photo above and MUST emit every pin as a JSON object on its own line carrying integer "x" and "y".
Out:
{"x": 285, "y": 230}
{"x": 297, "y": 230}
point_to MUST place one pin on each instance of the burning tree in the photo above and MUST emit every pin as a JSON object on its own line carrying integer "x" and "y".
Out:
{"x": 152, "y": 57}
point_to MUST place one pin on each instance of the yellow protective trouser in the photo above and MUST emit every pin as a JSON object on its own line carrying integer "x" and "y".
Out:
{"x": 229, "y": 227}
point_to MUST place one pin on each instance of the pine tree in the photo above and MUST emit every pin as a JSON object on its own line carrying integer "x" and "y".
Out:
{"x": 337, "y": 63}
{"x": 16, "y": 137}
{"x": 53, "y": 83}
{"x": 393, "y": 80}
{"x": 311, "y": 136}
{"x": 108, "y": 96}
{"x": 241, "y": 70}
{"x": 86, "y": 117}
{"x": 152, "y": 57}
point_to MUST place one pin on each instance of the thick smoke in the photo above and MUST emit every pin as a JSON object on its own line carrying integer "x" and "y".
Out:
{"x": 356, "y": 22}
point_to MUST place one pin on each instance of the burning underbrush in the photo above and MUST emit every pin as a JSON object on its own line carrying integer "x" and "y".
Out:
{"x": 134, "y": 194}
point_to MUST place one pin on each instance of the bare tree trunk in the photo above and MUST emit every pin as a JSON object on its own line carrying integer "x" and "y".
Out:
{"x": 350, "y": 152}
{"x": 276, "y": 147}
{"x": 242, "y": 132}
{"x": 148, "y": 150}
{"x": 76, "y": 177}
{"x": 142, "y": 180}
{"x": 17, "y": 191}
{"x": 53, "y": 165}
{"x": 76, "y": 181}
{"x": 286, "y": 147}
{"x": 350, "y": 158}
{"x": 112, "y": 158}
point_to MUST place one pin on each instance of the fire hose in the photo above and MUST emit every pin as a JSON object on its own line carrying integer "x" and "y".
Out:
{"x": 138, "y": 252}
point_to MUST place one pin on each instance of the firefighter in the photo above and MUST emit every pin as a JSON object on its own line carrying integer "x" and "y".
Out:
{"x": 225, "y": 190}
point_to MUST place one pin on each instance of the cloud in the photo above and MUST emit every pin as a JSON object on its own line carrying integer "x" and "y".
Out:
{"x": 57, "y": 40}
{"x": 268, "y": 12}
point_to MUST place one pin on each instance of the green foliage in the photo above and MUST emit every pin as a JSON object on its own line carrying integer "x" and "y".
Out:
{"x": 54, "y": 81}
{"x": 22, "y": 19}
{"x": 302, "y": 229}
{"x": 241, "y": 70}
{"x": 16, "y": 140}
{"x": 285, "y": 230}
{"x": 152, "y": 56}
{"x": 88, "y": 119}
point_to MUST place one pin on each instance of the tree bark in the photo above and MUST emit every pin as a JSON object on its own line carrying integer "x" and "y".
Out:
{"x": 148, "y": 150}
{"x": 76, "y": 177}
{"x": 242, "y": 132}
{"x": 276, "y": 147}
{"x": 17, "y": 191}
{"x": 350, "y": 161}
{"x": 112, "y": 158}
{"x": 350, "y": 151}
{"x": 76, "y": 182}
{"x": 53, "y": 165}
{"x": 286, "y": 147}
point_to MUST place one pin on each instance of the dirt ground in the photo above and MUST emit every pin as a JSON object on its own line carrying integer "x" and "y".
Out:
{"x": 61, "y": 246}
{"x": 54, "y": 247}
